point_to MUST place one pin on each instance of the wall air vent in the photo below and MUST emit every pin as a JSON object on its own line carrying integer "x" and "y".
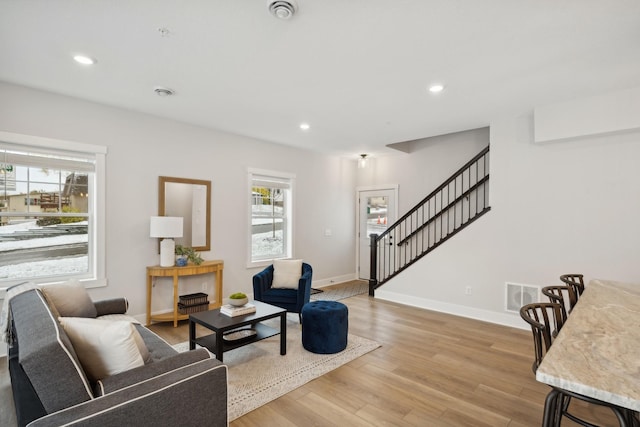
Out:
{"x": 517, "y": 295}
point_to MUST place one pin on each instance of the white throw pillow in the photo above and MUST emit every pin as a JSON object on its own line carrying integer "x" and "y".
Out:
{"x": 142, "y": 347}
{"x": 70, "y": 299}
{"x": 286, "y": 273}
{"x": 103, "y": 347}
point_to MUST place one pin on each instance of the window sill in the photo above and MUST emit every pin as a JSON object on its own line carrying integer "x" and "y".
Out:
{"x": 89, "y": 284}
{"x": 263, "y": 262}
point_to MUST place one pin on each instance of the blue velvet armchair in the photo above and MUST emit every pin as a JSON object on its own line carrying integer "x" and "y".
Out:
{"x": 291, "y": 300}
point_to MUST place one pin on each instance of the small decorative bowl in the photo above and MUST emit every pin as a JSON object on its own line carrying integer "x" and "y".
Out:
{"x": 238, "y": 301}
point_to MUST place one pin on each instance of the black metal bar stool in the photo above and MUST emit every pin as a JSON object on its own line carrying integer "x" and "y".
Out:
{"x": 546, "y": 320}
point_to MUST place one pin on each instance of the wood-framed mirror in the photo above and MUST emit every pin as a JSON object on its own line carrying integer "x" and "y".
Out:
{"x": 191, "y": 200}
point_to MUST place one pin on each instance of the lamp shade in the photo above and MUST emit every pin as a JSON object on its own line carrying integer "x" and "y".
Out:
{"x": 165, "y": 226}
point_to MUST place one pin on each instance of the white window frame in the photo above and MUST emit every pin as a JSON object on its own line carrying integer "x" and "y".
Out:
{"x": 96, "y": 276}
{"x": 256, "y": 174}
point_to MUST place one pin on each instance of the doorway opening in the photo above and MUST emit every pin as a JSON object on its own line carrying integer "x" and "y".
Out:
{"x": 377, "y": 209}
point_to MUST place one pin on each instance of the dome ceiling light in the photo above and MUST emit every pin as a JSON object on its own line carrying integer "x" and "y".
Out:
{"x": 362, "y": 161}
{"x": 282, "y": 9}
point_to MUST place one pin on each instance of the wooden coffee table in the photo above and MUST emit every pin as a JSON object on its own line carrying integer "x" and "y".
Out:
{"x": 220, "y": 324}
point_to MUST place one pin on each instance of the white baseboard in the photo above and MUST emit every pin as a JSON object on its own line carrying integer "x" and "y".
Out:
{"x": 333, "y": 280}
{"x": 505, "y": 319}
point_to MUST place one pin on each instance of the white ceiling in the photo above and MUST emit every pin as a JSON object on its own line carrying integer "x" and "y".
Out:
{"x": 356, "y": 70}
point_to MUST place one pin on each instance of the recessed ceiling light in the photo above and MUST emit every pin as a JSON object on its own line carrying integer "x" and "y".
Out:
{"x": 436, "y": 88}
{"x": 84, "y": 60}
{"x": 305, "y": 126}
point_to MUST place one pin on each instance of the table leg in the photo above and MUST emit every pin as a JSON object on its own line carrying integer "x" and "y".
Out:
{"x": 149, "y": 286}
{"x": 283, "y": 334}
{"x": 219, "y": 343}
{"x": 175, "y": 300}
{"x": 192, "y": 335}
{"x": 218, "y": 287}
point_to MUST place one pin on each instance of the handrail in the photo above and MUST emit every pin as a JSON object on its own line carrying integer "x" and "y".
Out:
{"x": 431, "y": 248}
{"x": 440, "y": 187}
{"x": 453, "y": 205}
{"x": 449, "y": 206}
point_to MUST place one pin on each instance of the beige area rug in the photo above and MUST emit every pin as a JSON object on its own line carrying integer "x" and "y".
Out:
{"x": 258, "y": 373}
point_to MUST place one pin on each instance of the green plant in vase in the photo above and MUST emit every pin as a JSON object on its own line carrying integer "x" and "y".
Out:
{"x": 185, "y": 254}
{"x": 238, "y": 295}
{"x": 238, "y": 299}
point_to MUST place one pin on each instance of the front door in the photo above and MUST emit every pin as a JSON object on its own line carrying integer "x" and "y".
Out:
{"x": 377, "y": 210}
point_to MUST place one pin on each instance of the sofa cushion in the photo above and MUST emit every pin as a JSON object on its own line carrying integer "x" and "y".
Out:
{"x": 286, "y": 273}
{"x": 104, "y": 347}
{"x": 46, "y": 354}
{"x": 158, "y": 348}
{"x": 193, "y": 395}
{"x": 126, "y": 379}
{"x": 70, "y": 299}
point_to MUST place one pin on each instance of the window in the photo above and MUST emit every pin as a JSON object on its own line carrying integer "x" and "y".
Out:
{"x": 51, "y": 211}
{"x": 270, "y": 225}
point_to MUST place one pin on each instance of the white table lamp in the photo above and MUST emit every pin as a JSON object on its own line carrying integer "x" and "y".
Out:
{"x": 166, "y": 228}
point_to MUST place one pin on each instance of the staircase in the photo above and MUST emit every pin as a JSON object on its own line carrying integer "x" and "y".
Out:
{"x": 455, "y": 204}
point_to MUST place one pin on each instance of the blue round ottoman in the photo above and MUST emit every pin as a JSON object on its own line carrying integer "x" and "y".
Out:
{"x": 324, "y": 326}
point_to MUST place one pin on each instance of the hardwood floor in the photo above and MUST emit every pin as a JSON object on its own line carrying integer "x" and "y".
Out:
{"x": 432, "y": 369}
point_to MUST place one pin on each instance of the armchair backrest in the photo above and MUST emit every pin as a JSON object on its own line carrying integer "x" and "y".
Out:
{"x": 304, "y": 285}
{"x": 263, "y": 280}
{"x": 307, "y": 271}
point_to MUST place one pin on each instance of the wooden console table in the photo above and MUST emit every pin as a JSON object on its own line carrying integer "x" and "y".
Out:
{"x": 206, "y": 267}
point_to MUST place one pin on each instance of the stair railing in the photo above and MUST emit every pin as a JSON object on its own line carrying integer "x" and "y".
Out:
{"x": 451, "y": 207}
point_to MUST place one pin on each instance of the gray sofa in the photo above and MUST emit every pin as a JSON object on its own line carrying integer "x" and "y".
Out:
{"x": 50, "y": 387}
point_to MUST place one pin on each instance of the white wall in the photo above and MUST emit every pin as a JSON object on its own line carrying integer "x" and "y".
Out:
{"x": 143, "y": 147}
{"x": 424, "y": 165}
{"x": 561, "y": 207}
{"x": 597, "y": 115}
{"x": 556, "y": 208}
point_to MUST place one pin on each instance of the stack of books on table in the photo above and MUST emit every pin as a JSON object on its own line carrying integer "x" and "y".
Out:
{"x": 232, "y": 310}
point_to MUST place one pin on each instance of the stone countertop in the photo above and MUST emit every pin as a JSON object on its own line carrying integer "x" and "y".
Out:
{"x": 597, "y": 352}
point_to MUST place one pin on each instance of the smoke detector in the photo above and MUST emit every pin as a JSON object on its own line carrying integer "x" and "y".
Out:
{"x": 163, "y": 91}
{"x": 282, "y": 9}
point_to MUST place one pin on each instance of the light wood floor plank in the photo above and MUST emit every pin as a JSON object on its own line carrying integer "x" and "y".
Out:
{"x": 432, "y": 369}
{"x": 331, "y": 412}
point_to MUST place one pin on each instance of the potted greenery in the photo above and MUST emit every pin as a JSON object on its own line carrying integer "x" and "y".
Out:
{"x": 238, "y": 299}
{"x": 185, "y": 254}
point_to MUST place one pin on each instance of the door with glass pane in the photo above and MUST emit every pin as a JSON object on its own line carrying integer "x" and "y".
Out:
{"x": 377, "y": 211}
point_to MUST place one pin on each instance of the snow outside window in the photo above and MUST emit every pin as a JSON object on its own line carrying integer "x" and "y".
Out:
{"x": 51, "y": 221}
{"x": 271, "y": 195}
